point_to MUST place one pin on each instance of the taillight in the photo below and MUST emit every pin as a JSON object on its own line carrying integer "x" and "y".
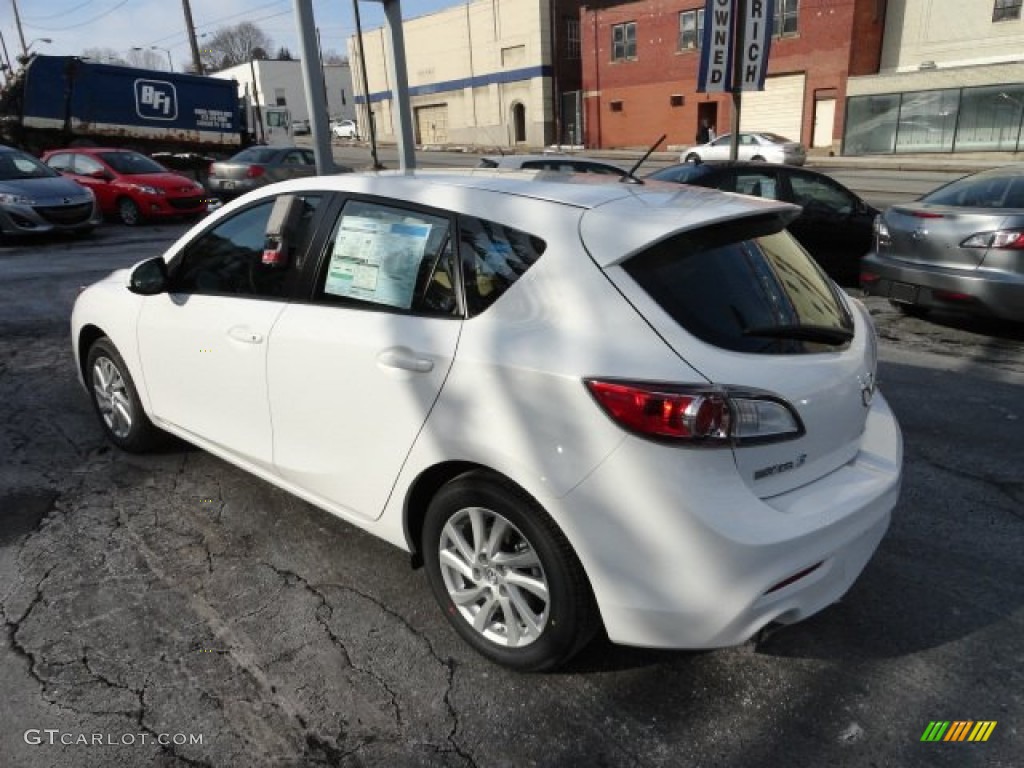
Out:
{"x": 1004, "y": 238}
{"x": 255, "y": 171}
{"x": 695, "y": 415}
{"x": 882, "y": 239}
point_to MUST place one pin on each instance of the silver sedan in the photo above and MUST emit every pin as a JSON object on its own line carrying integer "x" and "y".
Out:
{"x": 258, "y": 166}
{"x": 959, "y": 247}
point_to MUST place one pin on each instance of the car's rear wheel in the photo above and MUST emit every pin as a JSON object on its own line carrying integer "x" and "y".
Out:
{"x": 128, "y": 212}
{"x": 693, "y": 158}
{"x": 757, "y": 159}
{"x": 117, "y": 401}
{"x": 504, "y": 574}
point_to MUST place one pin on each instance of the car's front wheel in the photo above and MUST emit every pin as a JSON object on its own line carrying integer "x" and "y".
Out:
{"x": 128, "y": 212}
{"x": 117, "y": 401}
{"x": 693, "y": 158}
{"x": 504, "y": 574}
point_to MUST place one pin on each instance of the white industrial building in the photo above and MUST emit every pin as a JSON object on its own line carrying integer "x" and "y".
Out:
{"x": 279, "y": 83}
{"x": 480, "y": 73}
{"x": 951, "y": 79}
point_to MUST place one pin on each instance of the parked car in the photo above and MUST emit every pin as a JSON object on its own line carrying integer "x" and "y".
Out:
{"x": 258, "y": 166}
{"x": 300, "y": 127}
{"x": 128, "y": 184}
{"x": 759, "y": 147}
{"x": 690, "y": 440}
{"x": 960, "y": 247}
{"x": 835, "y": 226}
{"x": 35, "y": 199}
{"x": 552, "y": 162}
{"x": 345, "y": 129}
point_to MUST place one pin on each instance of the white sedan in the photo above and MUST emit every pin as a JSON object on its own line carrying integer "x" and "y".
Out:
{"x": 578, "y": 403}
{"x": 759, "y": 147}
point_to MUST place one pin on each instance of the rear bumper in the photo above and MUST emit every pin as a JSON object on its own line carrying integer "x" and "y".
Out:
{"x": 696, "y": 559}
{"x": 996, "y": 293}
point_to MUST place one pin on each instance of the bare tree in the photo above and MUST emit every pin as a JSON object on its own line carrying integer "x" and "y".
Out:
{"x": 331, "y": 56}
{"x": 146, "y": 59}
{"x": 235, "y": 44}
{"x": 103, "y": 55}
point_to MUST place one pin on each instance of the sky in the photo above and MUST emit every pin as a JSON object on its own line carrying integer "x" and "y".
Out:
{"x": 74, "y": 25}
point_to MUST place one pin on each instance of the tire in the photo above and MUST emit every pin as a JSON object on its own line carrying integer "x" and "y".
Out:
{"x": 116, "y": 400}
{"x": 693, "y": 158}
{"x": 128, "y": 212}
{"x": 554, "y": 617}
{"x": 757, "y": 159}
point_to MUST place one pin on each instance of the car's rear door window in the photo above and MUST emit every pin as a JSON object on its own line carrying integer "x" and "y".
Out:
{"x": 386, "y": 257}
{"x": 744, "y": 286}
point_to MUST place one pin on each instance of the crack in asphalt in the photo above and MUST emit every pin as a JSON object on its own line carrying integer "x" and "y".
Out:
{"x": 1010, "y": 488}
{"x": 290, "y": 576}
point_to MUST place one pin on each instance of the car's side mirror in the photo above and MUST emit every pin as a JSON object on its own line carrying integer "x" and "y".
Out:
{"x": 149, "y": 278}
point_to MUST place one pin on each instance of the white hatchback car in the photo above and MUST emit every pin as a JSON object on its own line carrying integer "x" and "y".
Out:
{"x": 669, "y": 426}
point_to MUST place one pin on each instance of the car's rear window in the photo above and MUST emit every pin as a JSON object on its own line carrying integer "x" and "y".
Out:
{"x": 981, "y": 191}
{"x": 254, "y": 155}
{"x": 746, "y": 287}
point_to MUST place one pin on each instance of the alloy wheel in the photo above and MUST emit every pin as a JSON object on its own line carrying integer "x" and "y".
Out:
{"x": 112, "y": 397}
{"x": 494, "y": 577}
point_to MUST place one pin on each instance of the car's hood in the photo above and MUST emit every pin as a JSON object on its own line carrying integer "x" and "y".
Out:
{"x": 167, "y": 181}
{"x": 46, "y": 190}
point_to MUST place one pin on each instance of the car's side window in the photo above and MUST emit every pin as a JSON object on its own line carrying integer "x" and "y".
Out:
{"x": 308, "y": 157}
{"x": 387, "y": 257}
{"x": 60, "y": 162}
{"x": 229, "y": 259}
{"x": 754, "y": 183}
{"x": 85, "y": 165}
{"x": 493, "y": 257}
{"x": 293, "y": 158}
{"x": 818, "y": 194}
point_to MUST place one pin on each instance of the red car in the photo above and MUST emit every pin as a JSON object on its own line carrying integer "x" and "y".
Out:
{"x": 129, "y": 184}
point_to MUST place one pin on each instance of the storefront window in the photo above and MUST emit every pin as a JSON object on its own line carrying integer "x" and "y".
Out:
{"x": 990, "y": 118}
{"x": 871, "y": 124}
{"x": 927, "y": 121}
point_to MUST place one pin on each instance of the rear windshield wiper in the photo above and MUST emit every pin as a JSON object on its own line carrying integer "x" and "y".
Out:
{"x": 816, "y": 333}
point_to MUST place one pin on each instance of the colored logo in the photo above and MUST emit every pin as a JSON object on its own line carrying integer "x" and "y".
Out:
{"x": 958, "y": 730}
{"x": 156, "y": 100}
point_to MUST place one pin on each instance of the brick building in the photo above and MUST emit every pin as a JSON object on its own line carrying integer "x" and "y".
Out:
{"x": 640, "y": 62}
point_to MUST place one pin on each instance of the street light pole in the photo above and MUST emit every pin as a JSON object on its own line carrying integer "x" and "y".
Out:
{"x": 21, "y": 32}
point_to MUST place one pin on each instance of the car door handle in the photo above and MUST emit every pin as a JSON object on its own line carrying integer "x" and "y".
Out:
{"x": 249, "y": 336}
{"x": 406, "y": 359}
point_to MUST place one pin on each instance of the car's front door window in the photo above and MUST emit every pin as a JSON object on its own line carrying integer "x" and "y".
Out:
{"x": 229, "y": 258}
{"x": 818, "y": 194}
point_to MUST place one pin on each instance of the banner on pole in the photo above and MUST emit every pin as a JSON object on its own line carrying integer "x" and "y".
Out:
{"x": 756, "y": 44}
{"x": 716, "y": 50}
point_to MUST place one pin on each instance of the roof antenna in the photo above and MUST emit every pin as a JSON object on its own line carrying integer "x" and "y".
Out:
{"x": 629, "y": 178}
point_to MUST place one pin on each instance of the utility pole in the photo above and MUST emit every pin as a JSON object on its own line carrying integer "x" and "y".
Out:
{"x": 313, "y": 84}
{"x": 21, "y": 32}
{"x": 197, "y": 62}
{"x": 366, "y": 90}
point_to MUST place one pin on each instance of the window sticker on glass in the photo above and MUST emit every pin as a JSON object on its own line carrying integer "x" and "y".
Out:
{"x": 377, "y": 259}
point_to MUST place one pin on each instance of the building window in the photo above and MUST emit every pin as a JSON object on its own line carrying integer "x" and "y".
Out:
{"x": 279, "y": 98}
{"x": 786, "y": 13}
{"x": 691, "y": 30}
{"x": 1006, "y": 10}
{"x": 572, "y": 38}
{"x": 624, "y": 41}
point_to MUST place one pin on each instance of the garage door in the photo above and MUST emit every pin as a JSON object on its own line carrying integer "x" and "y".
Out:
{"x": 432, "y": 124}
{"x": 779, "y": 108}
